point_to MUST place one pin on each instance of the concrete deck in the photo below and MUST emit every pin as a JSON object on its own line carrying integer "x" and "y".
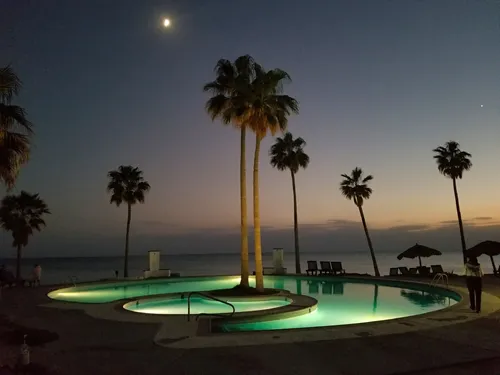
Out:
{"x": 90, "y": 345}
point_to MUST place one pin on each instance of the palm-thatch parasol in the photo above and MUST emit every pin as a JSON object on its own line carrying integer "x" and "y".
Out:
{"x": 418, "y": 251}
{"x": 490, "y": 248}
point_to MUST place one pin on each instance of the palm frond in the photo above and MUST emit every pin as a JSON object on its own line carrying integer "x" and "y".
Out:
{"x": 451, "y": 161}
{"x": 288, "y": 153}
{"x": 12, "y": 116}
{"x": 354, "y": 187}
{"x": 127, "y": 184}
{"x": 10, "y": 84}
{"x": 14, "y": 152}
{"x": 21, "y": 214}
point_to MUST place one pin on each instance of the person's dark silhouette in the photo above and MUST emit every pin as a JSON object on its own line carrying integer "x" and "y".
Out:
{"x": 473, "y": 277}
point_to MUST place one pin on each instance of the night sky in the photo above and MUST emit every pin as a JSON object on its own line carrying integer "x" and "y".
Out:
{"x": 380, "y": 84}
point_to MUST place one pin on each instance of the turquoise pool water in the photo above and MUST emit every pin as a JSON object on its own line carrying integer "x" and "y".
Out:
{"x": 200, "y": 305}
{"x": 340, "y": 301}
{"x": 109, "y": 292}
{"x": 347, "y": 302}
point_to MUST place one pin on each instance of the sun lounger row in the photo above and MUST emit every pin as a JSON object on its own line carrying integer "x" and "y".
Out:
{"x": 6, "y": 278}
{"x": 327, "y": 268}
{"x": 417, "y": 271}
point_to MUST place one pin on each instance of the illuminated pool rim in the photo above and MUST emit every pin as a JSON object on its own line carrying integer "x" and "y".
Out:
{"x": 296, "y": 305}
{"x": 256, "y": 316}
{"x": 63, "y": 293}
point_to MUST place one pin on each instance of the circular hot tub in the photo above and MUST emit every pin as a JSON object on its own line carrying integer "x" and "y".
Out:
{"x": 203, "y": 305}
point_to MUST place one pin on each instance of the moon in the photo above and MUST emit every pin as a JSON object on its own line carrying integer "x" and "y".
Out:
{"x": 482, "y": 105}
{"x": 166, "y": 22}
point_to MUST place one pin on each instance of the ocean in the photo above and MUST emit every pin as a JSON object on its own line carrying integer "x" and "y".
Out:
{"x": 60, "y": 270}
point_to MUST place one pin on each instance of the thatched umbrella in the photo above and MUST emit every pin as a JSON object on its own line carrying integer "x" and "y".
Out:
{"x": 418, "y": 251}
{"x": 490, "y": 248}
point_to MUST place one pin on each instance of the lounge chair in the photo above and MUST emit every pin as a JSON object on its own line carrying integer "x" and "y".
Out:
{"x": 404, "y": 271}
{"x": 337, "y": 267}
{"x": 436, "y": 268}
{"x": 326, "y": 268}
{"x": 413, "y": 271}
{"x": 393, "y": 271}
{"x": 312, "y": 267}
{"x": 423, "y": 271}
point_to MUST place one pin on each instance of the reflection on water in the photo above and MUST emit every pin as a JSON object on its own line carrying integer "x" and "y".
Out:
{"x": 424, "y": 299}
{"x": 279, "y": 283}
{"x": 298, "y": 284}
{"x": 313, "y": 286}
{"x": 327, "y": 287}
{"x": 375, "y": 298}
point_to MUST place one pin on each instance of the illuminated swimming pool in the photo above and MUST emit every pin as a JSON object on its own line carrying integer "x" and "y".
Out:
{"x": 199, "y": 305}
{"x": 347, "y": 302}
{"x": 109, "y": 292}
{"x": 340, "y": 300}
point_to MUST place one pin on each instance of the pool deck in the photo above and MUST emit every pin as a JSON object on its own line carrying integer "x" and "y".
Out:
{"x": 458, "y": 342}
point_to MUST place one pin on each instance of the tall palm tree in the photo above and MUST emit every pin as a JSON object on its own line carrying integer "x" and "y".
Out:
{"x": 453, "y": 162}
{"x": 15, "y": 129}
{"x": 228, "y": 104}
{"x": 21, "y": 215}
{"x": 268, "y": 111}
{"x": 288, "y": 153}
{"x": 127, "y": 185}
{"x": 355, "y": 187}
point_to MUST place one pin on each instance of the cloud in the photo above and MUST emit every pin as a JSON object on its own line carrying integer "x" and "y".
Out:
{"x": 448, "y": 222}
{"x": 470, "y": 221}
{"x": 328, "y": 236}
{"x": 409, "y": 228}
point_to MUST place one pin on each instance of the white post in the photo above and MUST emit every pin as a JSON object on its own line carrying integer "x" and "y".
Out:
{"x": 278, "y": 260}
{"x": 154, "y": 260}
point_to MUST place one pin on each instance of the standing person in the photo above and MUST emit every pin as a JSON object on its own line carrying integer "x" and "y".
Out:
{"x": 37, "y": 274}
{"x": 473, "y": 277}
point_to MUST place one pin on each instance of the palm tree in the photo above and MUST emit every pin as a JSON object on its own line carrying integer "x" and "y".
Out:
{"x": 268, "y": 111}
{"x": 288, "y": 153}
{"x": 15, "y": 129}
{"x": 452, "y": 162}
{"x": 227, "y": 103}
{"x": 355, "y": 188}
{"x": 126, "y": 184}
{"x": 21, "y": 215}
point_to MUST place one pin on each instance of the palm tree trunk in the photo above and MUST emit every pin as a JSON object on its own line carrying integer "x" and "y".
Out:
{"x": 459, "y": 214}
{"x": 243, "y": 204}
{"x": 18, "y": 262}
{"x": 259, "y": 277}
{"x": 125, "y": 266}
{"x": 295, "y": 226}
{"x": 374, "y": 260}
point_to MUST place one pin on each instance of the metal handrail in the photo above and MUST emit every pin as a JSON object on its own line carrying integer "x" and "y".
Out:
{"x": 209, "y": 297}
{"x": 440, "y": 277}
